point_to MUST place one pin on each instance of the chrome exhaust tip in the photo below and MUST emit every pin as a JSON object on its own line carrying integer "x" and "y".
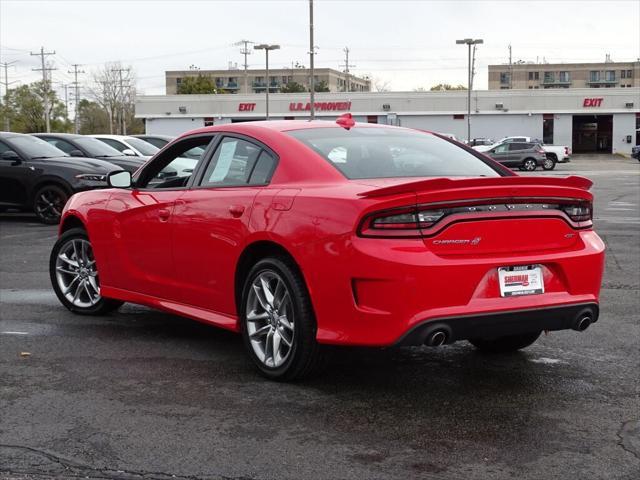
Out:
{"x": 582, "y": 323}
{"x": 437, "y": 338}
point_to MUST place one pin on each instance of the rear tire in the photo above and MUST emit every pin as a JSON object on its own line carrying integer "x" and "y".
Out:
{"x": 74, "y": 275}
{"x": 48, "y": 203}
{"x": 277, "y": 321}
{"x": 550, "y": 162}
{"x": 510, "y": 343}
{"x": 529, "y": 165}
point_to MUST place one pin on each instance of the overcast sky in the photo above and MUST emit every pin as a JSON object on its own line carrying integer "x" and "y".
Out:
{"x": 406, "y": 44}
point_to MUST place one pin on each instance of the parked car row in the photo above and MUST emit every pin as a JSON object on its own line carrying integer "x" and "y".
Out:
{"x": 39, "y": 172}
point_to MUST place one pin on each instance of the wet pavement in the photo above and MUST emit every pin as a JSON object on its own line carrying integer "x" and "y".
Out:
{"x": 141, "y": 394}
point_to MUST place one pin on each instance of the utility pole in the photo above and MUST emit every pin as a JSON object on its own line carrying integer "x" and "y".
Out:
{"x": 346, "y": 69}
{"x": 66, "y": 100}
{"x": 473, "y": 66}
{"x": 312, "y": 82}
{"x": 45, "y": 83}
{"x": 469, "y": 42}
{"x": 6, "y": 83}
{"x": 246, "y": 52}
{"x": 510, "y": 69}
{"x": 77, "y": 88}
{"x": 122, "y": 107}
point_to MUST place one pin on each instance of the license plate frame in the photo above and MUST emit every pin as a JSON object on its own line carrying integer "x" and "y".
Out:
{"x": 520, "y": 280}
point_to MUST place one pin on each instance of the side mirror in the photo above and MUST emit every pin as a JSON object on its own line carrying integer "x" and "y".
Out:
{"x": 76, "y": 153}
{"x": 129, "y": 152}
{"x": 11, "y": 156}
{"x": 119, "y": 179}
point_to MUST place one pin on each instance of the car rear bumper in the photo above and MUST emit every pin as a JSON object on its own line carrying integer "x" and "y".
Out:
{"x": 380, "y": 290}
{"x": 491, "y": 325}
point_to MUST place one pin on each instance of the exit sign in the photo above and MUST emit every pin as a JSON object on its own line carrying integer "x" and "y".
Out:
{"x": 592, "y": 102}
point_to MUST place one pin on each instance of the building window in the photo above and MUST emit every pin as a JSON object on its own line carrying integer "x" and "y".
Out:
{"x": 458, "y": 116}
{"x": 208, "y": 121}
{"x": 564, "y": 77}
{"x": 623, "y": 74}
{"x": 531, "y": 86}
{"x": 549, "y": 77}
{"x": 534, "y": 75}
{"x": 629, "y": 73}
{"x": 178, "y": 81}
{"x": 594, "y": 76}
{"x": 610, "y": 76}
{"x": 505, "y": 78}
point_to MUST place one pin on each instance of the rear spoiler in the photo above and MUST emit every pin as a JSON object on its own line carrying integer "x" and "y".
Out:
{"x": 572, "y": 181}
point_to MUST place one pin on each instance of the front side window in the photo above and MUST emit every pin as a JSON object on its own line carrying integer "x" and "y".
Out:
{"x": 172, "y": 169}
{"x": 502, "y": 148}
{"x": 238, "y": 162}
{"x": 96, "y": 148}
{"x": 383, "y": 152}
{"x": 63, "y": 145}
{"x": 119, "y": 146}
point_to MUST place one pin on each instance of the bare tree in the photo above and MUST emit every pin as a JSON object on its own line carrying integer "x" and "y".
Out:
{"x": 113, "y": 88}
{"x": 381, "y": 85}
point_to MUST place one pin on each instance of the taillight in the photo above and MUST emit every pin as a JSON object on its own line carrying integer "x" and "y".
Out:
{"x": 405, "y": 223}
{"x": 541, "y": 151}
{"x": 579, "y": 213}
{"x": 566, "y": 150}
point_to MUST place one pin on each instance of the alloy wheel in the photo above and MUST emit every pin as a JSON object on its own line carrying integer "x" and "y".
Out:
{"x": 270, "y": 319}
{"x": 548, "y": 164}
{"x": 529, "y": 165}
{"x": 76, "y": 273}
{"x": 49, "y": 204}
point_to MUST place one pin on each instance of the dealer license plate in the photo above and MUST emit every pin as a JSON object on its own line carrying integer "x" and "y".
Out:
{"x": 520, "y": 280}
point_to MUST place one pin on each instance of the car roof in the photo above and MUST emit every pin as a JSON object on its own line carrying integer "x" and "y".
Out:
{"x": 61, "y": 135}
{"x": 280, "y": 126}
{"x": 162, "y": 137}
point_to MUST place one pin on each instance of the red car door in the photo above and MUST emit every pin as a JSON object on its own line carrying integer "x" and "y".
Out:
{"x": 211, "y": 223}
{"x": 141, "y": 249}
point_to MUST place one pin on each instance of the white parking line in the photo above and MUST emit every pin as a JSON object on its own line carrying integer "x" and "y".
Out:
{"x": 14, "y": 333}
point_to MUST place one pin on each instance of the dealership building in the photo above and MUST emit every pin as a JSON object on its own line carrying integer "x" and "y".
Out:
{"x": 587, "y": 120}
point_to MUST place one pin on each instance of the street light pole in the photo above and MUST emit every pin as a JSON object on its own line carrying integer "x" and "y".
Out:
{"x": 469, "y": 42}
{"x": 312, "y": 81}
{"x": 266, "y": 47}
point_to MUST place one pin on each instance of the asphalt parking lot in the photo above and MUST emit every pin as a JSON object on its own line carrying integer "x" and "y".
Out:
{"x": 143, "y": 394}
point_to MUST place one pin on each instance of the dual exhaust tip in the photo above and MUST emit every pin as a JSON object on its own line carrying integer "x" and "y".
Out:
{"x": 441, "y": 334}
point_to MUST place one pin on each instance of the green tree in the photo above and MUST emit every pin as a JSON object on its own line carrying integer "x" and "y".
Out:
{"x": 201, "y": 84}
{"x": 441, "y": 87}
{"x": 321, "y": 86}
{"x": 292, "y": 87}
{"x": 92, "y": 118}
{"x": 25, "y": 109}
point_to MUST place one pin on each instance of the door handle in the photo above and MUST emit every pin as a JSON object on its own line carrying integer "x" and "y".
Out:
{"x": 236, "y": 210}
{"x": 164, "y": 214}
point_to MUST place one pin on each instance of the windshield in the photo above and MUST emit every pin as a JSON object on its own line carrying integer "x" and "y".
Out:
{"x": 388, "y": 153}
{"x": 96, "y": 148}
{"x": 143, "y": 147}
{"x": 34, "y": 147}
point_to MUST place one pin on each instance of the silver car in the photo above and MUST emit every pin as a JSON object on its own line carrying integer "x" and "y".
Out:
{"x": 522, "y": 155}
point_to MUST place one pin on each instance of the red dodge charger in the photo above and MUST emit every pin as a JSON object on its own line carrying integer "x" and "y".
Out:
{"x": 303, "y": 234}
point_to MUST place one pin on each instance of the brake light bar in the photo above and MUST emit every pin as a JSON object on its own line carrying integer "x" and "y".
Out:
{"x": 411, "y": 221}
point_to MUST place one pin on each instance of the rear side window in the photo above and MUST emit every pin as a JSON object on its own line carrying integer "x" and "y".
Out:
{"x": 63, "y": 145}
{"x": 518, "y": 146}
{"x": 238, "y": 162}
{"x": 364, "y": 152}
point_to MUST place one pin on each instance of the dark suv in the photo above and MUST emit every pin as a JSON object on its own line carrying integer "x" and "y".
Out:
{"x": 522, "y": 155}
{"x": 37, "y": 176}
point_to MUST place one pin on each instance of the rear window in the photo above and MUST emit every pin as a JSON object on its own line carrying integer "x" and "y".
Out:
{"x": 362, "y": 153}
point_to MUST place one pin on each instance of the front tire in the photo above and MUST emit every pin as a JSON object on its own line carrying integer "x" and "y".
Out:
{"x": 507, "y": 344}
{"x": 74, "y": 275}
{"x": 48, "y": 203}
{"x": 277, "y": 321}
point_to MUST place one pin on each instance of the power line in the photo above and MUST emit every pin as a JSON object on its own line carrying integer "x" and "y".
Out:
{"x": 45, "y": 83}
